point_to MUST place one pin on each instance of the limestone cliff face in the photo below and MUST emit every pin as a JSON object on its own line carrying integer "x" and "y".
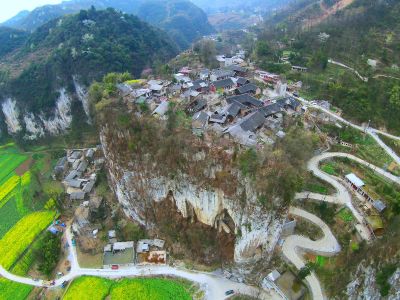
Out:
{"x": 364, "y": 285}
{"x": 257, "y": 230}
{"x": 37, "y": 125}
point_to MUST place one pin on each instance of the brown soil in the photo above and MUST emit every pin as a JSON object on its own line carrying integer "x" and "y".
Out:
{"x": 187, "y": 238}
{"x": 24, "y": 167}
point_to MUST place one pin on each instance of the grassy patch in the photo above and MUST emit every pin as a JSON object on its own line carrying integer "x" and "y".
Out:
{"x": 345, "y": 215}
{"x": 329, "y": 168}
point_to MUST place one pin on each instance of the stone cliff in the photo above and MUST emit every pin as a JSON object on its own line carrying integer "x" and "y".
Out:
{"x": 38, "y": 125}
{"x": 137, "y": 186}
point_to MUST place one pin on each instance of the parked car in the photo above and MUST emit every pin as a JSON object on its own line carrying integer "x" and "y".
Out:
{"x": 64, "y": 284}
{"x": 230, "y": 292}
{"x": 114, "y": 267}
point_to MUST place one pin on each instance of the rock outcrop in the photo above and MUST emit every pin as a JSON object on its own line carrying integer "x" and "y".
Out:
{"x": 38, "y": 125}
{"x": 257, "y": 229}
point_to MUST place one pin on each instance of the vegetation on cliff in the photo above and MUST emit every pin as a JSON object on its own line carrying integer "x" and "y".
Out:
{"x": 276, "y": 172}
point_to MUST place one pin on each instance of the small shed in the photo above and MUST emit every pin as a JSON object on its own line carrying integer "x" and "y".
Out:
{"x": 379, "y": 205}
{"x": 274, "y": 275}
{"x": 112, "y": 234}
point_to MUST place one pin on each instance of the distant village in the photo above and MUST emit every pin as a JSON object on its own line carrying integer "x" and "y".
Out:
{"x": 235, "y": 100}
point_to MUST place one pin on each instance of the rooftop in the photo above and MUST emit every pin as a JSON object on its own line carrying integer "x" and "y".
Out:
{"x": 245, "y": 99}
{"x": 223, "y": 83}
{"x": 355, "y": 180}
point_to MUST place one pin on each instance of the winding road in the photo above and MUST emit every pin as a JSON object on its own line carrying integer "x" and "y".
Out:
{"x": 295, "y": 245}
{"x": 365, "y": 79}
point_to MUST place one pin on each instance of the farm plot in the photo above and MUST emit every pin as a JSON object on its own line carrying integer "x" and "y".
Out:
{"x": 88, "y": 288}
{"x": 149, "y": 289}
{"x": 93, "y": 288}
{"x": 10, "y": 159}
{"x": 12, "y": 187}
{"x": 10, "y": 290}
{"x": 18, "y": 239}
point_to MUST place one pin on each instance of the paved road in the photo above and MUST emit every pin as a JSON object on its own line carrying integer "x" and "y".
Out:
{"x": 374, "y": 133}
{"x": 365, "y": 79}
{"x": 214, "y": 286}
{"x": 326, "y": 246}
{"x": 371, "y": 131}
{"x": 295, "y": 245}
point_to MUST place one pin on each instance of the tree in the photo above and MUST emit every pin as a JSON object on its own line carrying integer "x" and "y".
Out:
{"x": 207, "y": 53}
{"x": 48, "y": 252}
{"x": 395, "y": 97}
{"x": 319, "y": 60}
{"x": 304, "y": 272}
{"x": 262, "y": 49}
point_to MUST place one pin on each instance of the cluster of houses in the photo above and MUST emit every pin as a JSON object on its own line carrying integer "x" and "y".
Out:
{"x": 228, "y": 100}
{"x": 79, "y": 167}
{"x": 371, "y": 206}
{"x": 147, "y": 252}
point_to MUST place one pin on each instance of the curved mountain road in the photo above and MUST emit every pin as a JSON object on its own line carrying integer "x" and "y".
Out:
{"x": 371, "y": 131}
{"x": 327, "y": 246}
{"x": 295, "y": 245}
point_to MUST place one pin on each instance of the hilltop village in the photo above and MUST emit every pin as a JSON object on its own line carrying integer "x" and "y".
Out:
{"x": 233, "y": 101}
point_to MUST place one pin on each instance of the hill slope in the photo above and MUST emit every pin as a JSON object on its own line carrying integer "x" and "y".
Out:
{"x": 64, "y": 54}
{"x": 185, "y": 21}
{"x": 180, "y": 18}
{"x": 11, "y": 39}
{"x": 359, "y": 35}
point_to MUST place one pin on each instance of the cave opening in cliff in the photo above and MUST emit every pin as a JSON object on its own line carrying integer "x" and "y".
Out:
{"x": 188, "y": 238}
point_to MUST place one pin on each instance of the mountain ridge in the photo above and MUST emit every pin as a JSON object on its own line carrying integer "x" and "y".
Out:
{"x": 190, "y": 17}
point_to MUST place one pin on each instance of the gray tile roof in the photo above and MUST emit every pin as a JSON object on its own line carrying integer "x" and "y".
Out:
{"x": 242, "y": 81}
{"x": 252, "y": 121}
{"x": 245, "y": 99}
{"x": 247, "y": 88}
{"x": 271, "y": 109}
{"x": 223, "y": 83}
{"x": 289, "y": 102}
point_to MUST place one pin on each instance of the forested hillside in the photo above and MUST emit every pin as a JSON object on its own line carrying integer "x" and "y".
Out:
{"x": 228, "y": 5}
{"x": 182, "y": 19}
{"x": 365, "y": 35}
{"x": 11, "y": 39}
{"x": 87, "y": 45}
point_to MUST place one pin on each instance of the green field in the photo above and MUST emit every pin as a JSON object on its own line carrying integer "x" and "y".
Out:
{"x": 20, "y": 225}
{"x": 10, "y": 290}
{"x": 94, "y": 288}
